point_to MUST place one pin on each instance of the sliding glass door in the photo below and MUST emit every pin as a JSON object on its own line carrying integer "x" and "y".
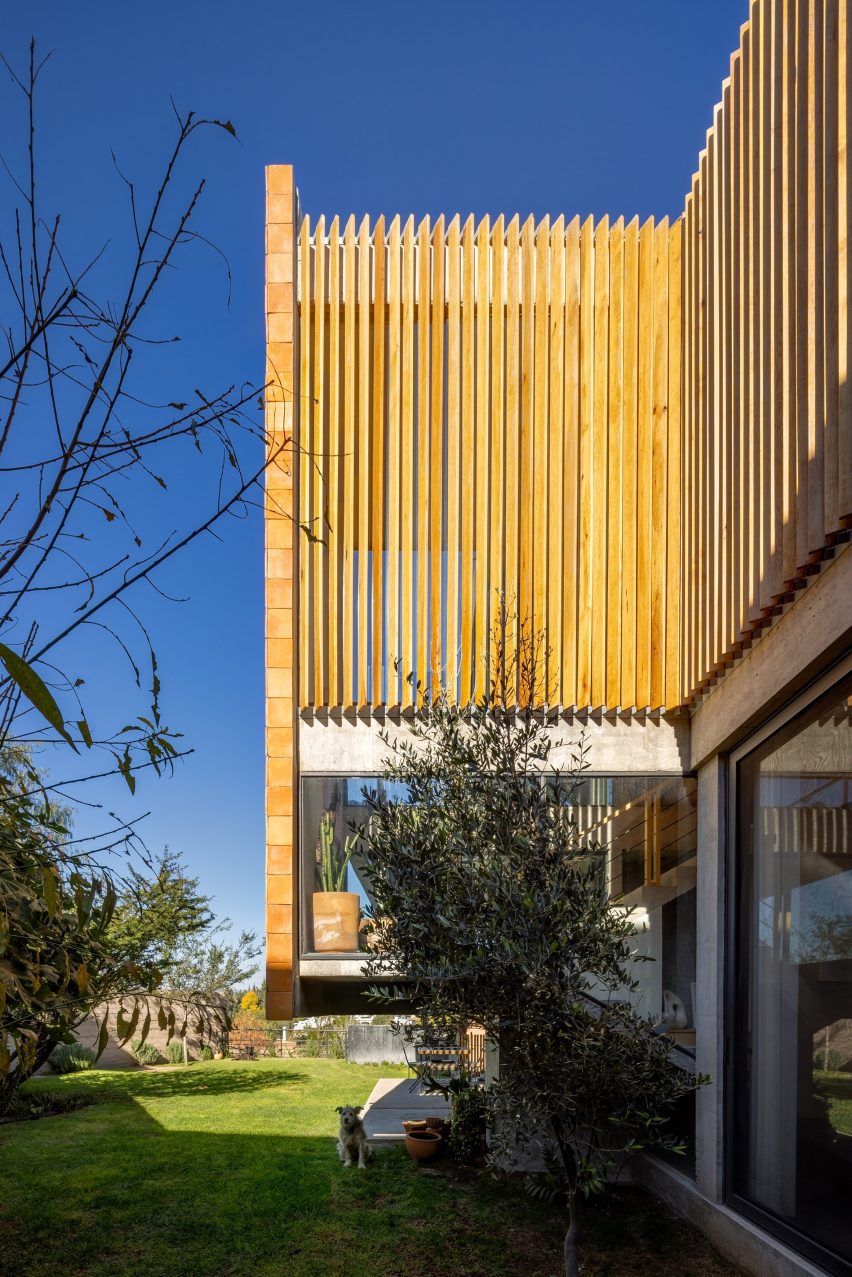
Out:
{"x": 791, "y": 1078}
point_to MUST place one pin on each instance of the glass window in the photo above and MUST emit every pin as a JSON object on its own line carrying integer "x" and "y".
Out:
{"x": 792, "y": 1080}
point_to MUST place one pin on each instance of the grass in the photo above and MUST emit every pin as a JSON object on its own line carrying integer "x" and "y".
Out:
{"x": 230, "y": 1168}
{"x": 836, "y": 1089}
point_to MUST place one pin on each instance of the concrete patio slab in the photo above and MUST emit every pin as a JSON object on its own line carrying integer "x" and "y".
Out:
{"x": 393, "y": 1101}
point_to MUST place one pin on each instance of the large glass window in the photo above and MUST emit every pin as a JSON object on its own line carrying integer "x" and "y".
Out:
{"x": 791, "y": 1140}
{"x": 646, "y": 825}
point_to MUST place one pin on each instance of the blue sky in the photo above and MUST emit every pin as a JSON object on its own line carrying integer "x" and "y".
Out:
{"x": 484, "y": 107}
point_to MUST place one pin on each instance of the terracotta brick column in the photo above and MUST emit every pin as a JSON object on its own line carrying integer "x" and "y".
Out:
{"x": 281, "y": 524}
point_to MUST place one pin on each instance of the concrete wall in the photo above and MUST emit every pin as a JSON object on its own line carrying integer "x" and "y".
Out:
{"x": 375, "y": 1044}
{"x": 115, "y": 1056}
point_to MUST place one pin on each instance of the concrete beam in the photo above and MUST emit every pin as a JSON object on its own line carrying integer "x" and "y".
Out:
{"x": 339, "y": 744}
{"x": 805, "y": 641}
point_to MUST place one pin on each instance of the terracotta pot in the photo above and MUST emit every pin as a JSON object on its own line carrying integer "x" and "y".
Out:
{"x": 336, "y": 918}
{"x": 421, "y": 1145}
{"x": 440, "y": 1125}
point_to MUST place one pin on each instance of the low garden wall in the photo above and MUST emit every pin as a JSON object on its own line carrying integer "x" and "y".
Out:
{"x": 375, "y": 1044}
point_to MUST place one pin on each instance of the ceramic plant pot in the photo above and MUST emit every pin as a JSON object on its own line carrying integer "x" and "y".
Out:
{"x": 337, "y": 915}
{"x": 422, "y": 1145}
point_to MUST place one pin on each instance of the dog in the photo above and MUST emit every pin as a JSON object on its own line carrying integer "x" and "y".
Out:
{"x": 352, "y": 1138}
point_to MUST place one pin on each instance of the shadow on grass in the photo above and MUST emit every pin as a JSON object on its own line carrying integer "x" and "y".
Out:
{"x": 219, "y": 1079}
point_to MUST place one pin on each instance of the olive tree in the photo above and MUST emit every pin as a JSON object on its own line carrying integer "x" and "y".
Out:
{"x": 493, "y": 909}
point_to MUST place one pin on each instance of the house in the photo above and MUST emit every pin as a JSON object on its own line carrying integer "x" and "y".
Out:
{"x": 642, "y": 435}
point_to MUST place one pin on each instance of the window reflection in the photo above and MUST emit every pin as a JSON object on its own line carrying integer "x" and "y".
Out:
{"x": 793, "y": 1080}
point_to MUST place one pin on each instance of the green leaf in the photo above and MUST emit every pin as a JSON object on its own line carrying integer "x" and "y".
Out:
{"x": 51, "y": 894}
{"x": 103, "y": 1036}
{"x": 83, "y": 728}
{"x": 35, "y": 690}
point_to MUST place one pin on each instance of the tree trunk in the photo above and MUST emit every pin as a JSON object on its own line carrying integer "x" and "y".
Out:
{"x": 569, "y": 1246}
{"x": 16, "y": 1077}
{"x": 569, "y": 1167}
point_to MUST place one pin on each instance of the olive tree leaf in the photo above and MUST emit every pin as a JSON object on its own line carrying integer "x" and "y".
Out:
{"x": 35, "y": 690}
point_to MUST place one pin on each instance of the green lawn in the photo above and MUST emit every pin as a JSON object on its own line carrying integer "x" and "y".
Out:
{"x": 836, "y": 1089}
{"x": 230, "y": 1169}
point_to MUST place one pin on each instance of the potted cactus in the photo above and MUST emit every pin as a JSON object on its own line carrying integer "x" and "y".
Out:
{"x": 336, "y": 911}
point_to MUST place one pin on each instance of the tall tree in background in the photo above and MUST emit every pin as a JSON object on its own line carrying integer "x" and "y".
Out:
{"x": 84, "y": 447}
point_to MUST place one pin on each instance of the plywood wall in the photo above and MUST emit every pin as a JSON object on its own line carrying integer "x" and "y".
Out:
{"x": 766, "y": 399}
{"x": 488, "y": 409}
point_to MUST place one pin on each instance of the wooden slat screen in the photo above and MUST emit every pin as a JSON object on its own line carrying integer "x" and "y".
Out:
{"x": 767, "y": 468}
{"x": 489, "y": 408}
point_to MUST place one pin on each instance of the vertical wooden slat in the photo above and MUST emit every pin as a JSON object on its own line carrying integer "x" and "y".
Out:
{"x": 687, "y": 504}
{"x": 831, "y": 379}
{"x": 408, "y": 457}
{"x": 526, "y": 496}
{"x": 787, "y": 501}
{"x": 555, "y": 495}
{"x": 746, "y": 346}
{"x": 644, "y": 443}
{"x": 587, "y": 513}
{"x": 674, "y": 586}
{"x": 571, "y": 468}
{"x": 801, "y": 258}
{"x": 513, "y": 426}
{"x": 734, "y": 216}
{"x": 453, "y": 445}
{"x": 615, "y": 448}
{"x": 364, "y": 457}
{"x": 350, "y": 443}
{"x": 395, "y": 460}
{"x": 815, "y": 439}
{"x": 763, "y": 497}
{"x": 306, "y": 446}
{"x": 436, "y": 459}
{"x": 659, "y": 476}
{"x": 600, "y": 465}
{"x": 319, "y": 467}
{"x": 776, "y": 302}
{"x": 628, "y": 465}
{"x": 500, "y": 478}
{"x": 377, "y": 466}
{"x": 540, "y": 468}
{"x": 844, "y": 198}
{"x": 424, "y": 298}
{"x": 336, "y": 619}
{"x": 726, "y": 417}
{"x": 489, "y": 447}
{"x": 471, "y": 476}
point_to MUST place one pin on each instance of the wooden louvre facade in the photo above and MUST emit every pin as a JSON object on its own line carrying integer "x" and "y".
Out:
{"x": 639, "y": 434}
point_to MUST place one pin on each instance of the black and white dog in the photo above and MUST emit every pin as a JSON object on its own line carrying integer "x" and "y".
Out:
{"x": 352, "y": 1138}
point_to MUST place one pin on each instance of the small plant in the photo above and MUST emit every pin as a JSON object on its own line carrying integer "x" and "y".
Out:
{"x": 72, "y": 1058}
{"x": 332, "y": 860}
{"x": 174, "y": 1051}
{"x": 144, "y": 1052}
{"x": 205, "y": 1053}
{"x": 26, "y": 1106}
{"x": 467, "y": 1131}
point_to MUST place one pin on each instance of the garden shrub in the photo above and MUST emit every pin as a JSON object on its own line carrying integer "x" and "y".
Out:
{"x": 144, "y": 1052}
{"x": 205, "y": 1053}
{"x": 467, "y": 1132}
{"x": 174, "y": 1051}
{"x": 71, "y": 1057}
{"x": 26, "y": 1106}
